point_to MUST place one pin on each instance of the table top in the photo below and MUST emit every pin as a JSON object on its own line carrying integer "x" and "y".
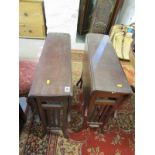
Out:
{"x": 106, "y": 71}
{"x": 53, "y": 76}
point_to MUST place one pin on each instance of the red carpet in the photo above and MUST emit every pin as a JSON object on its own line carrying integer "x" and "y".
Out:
{"x": 117, "y": 139}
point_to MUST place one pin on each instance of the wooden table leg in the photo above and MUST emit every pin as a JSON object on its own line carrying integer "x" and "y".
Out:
{"x": 65, "y": 119}
{"x": 112, "y": 109}
{"x": 80, "y": 81}
{"x": 22, "y": 115}
{"x": 42, "y": 115}
{"x": 109, "y": 113}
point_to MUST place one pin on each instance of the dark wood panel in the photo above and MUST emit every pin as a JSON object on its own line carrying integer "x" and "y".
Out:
{"x": 54, "y": 67}
{"x": 106, "y": 71}
{"x": 104, "y": 82}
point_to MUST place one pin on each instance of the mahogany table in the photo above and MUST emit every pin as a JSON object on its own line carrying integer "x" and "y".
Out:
{"x": 105, "y": 85}
{"x": 51, "y": 88}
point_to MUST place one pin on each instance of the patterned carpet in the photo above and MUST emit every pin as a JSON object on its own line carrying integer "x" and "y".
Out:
{"x": 117, "y": 138}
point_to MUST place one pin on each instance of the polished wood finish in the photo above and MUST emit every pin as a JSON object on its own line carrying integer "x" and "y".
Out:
{"x": 54, "y": 65}
{"x": 52, "y": 83}
{"x": 104, "y": 81}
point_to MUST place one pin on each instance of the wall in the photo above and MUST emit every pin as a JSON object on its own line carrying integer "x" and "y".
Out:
{"x": 30, "y": 48}
{"x": 62, "y": 16}
{"x": 127, "y": 13}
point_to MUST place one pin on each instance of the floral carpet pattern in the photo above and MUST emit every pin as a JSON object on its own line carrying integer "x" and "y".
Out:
{"x": 117, "y": 138}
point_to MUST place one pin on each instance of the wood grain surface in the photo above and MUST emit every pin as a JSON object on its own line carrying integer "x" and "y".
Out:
{"x": 53, "y": 73}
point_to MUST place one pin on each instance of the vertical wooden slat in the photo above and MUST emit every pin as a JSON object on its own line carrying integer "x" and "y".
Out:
{"x": 65, "y": 122}
{"x": 53, "y": 117}
{"x": 42, "y": 114}
{"x": 91, "y": 115}
{"x": 101, "y": 112}
{"x": 49, "y": 121}
{"x": 103, "y": 115}
{"x": 107, "y": 114}
{"x": 58, "y": 116}
{"x": 96, "y": 113}
{"x": 91, "y": 104}
{"x": 68, "y": 109}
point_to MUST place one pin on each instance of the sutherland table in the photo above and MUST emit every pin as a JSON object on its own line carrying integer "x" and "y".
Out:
{"x": 104, "y": 82}
{"x": 52, "y": 83}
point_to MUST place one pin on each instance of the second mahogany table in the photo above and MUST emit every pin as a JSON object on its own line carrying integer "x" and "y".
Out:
{"x": 104, "y": 82}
